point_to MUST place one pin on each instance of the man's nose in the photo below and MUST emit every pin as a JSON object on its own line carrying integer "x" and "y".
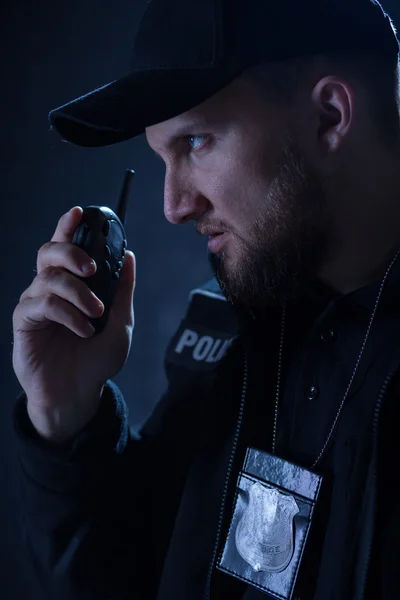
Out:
{"x": 183, "y": 202}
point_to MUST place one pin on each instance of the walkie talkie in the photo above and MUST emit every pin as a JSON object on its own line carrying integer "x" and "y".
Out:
{"x": 101, "y": 235}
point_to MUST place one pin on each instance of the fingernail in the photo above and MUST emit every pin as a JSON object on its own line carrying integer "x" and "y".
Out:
{"x": 73, "y": 208}
{"x": 87, "y": 267}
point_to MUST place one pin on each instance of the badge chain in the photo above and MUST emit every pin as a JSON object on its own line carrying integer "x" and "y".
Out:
{"x": 279, "y": 377}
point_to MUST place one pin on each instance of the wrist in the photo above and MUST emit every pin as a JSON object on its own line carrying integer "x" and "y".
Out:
{"x": 59, "y": 425}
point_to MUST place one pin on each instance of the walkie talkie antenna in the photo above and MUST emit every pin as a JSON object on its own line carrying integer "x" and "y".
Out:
{"x": 124, "y": 197}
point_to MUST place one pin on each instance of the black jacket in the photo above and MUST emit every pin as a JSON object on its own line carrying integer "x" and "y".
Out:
{"x": 114, "y": 516}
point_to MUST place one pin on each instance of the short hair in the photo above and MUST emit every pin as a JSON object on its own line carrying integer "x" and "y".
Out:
{"x": 378, "y": 74}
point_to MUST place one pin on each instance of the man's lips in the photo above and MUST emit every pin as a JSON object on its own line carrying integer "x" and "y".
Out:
{"x": 210, "y": 232}
{"x": 217, "y": 241}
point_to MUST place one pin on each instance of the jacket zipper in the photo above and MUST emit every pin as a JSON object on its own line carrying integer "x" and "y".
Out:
{"x": 228, "y": 477}
{"x": 375, "y": 433}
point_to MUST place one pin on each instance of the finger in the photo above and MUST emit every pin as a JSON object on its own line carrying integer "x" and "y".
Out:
{"x": 61, "y": 283}
{"x": 36, "y": 313}
{"x": 128, "y": 272}
{"x": 67, "y": 225}
{"x": 67, "y": 256}
{"x": 123, "y": 302}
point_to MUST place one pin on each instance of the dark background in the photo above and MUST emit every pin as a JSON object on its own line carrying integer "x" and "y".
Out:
{"x": 51, "y": 53}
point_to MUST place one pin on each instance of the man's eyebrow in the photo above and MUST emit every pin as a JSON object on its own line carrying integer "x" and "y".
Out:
{"x": 190, "y": 128}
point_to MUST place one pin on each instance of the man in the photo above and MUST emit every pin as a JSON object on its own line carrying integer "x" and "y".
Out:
{"x": 269, "y": 469}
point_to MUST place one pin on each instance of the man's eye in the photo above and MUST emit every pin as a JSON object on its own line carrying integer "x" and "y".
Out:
{"x": 197, "y": 141}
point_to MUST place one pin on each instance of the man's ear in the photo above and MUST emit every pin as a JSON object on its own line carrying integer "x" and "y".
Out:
{"x": 334, "y": 102}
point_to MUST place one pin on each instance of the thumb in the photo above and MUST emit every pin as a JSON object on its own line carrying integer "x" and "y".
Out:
{"x": 123, "y": 301}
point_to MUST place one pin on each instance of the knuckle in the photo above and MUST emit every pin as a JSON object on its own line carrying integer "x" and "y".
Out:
{"x": 49, "y": 275}
{"x": 23, "y": 296}
{"x": 50, "y": 301}
{"x": 45, "y": 248}
{"x": 42, "y": 255}
{"x": 15, "y": 315}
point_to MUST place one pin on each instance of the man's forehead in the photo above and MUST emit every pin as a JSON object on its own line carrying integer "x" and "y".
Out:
{"x": 192, "y": 117}
{"x": 212, "y": 113}
{"x": 228, "y": 106}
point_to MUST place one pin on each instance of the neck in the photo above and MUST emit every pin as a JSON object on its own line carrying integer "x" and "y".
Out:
{"x": 367, "y": 228}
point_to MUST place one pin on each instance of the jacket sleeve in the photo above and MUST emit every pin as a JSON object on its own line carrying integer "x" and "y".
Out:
{"x": 95, "y": 518}
{"x": 383, "y": 581}
{"x": 97, "y": 514}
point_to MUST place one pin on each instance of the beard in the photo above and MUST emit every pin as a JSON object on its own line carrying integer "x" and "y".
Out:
{"x": 287, "y": 243}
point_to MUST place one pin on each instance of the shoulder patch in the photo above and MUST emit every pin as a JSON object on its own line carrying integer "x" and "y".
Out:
{"x": 207, "y": 331}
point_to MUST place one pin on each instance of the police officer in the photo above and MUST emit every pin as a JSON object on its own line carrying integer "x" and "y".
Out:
{"x": 269, "y": 469}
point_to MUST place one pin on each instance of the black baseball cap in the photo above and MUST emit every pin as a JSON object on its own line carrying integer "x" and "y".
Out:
{"x": 185, "y": 51}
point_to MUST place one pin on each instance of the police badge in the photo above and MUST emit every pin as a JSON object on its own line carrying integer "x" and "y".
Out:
{"x": 273, "y": 509}
{"x": 264, "y": 536}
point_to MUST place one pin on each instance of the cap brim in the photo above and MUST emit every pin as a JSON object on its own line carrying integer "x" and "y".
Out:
{"x": 124, "y": 108}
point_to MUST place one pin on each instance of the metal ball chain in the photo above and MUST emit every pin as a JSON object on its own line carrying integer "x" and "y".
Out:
{"x": 280, "y": 356}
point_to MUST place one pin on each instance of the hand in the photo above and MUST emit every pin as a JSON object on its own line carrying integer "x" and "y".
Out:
{"x": 61, "y": 365}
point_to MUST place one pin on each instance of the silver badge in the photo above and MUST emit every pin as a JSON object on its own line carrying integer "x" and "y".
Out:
{"x": 264, "y": 535}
